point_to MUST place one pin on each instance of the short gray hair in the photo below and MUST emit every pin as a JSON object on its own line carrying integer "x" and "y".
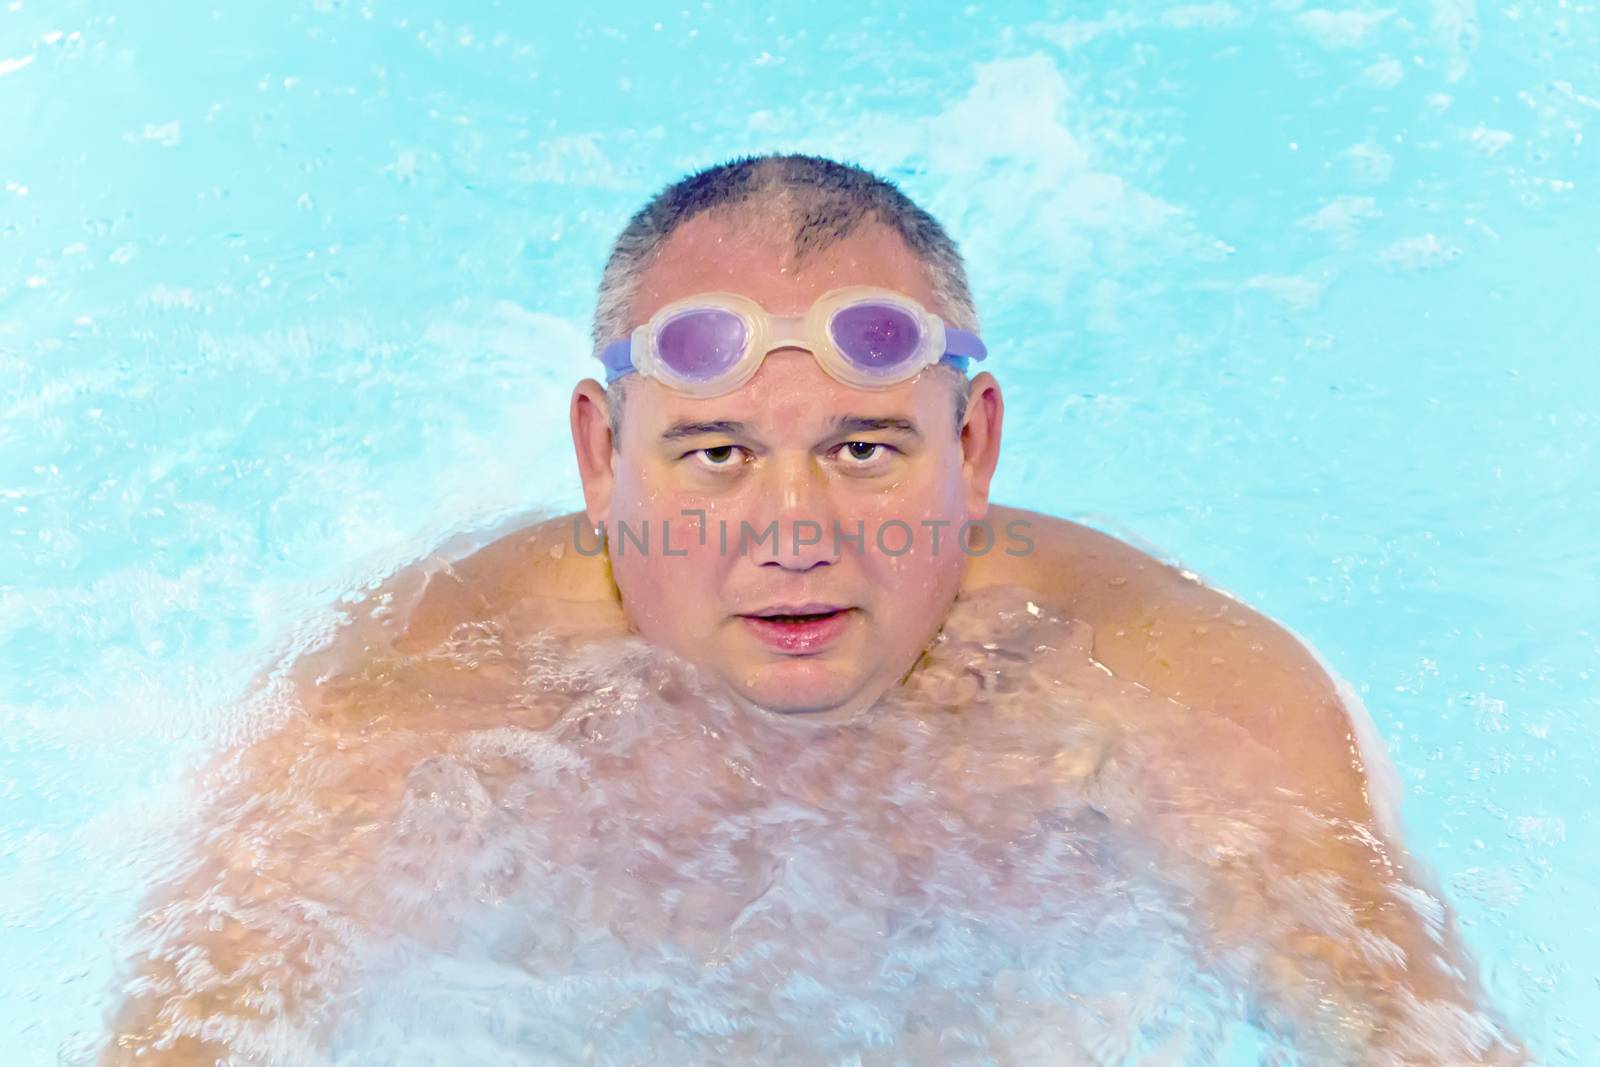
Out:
{"x": 819, "y": 200}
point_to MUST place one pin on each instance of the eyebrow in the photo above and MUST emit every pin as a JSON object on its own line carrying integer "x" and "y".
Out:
{"x": 839, "y": 424}
{"x": 697, "y": 429}
{"x": 862, "y": 424}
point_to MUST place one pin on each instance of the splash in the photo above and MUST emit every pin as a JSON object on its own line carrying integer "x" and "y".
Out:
{"x": 563, "y": 852}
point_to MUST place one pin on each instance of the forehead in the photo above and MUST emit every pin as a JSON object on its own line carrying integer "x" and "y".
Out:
{"x": 710, "y": 253}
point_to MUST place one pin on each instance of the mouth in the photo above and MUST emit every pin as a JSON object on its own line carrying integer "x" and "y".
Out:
{"x": 799, "y": 629}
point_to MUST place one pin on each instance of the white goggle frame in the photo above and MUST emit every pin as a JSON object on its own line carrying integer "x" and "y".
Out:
{"x": 766, "y": 333}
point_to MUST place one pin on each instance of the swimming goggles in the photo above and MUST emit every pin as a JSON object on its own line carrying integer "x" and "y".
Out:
{"x": 712, "y": 343}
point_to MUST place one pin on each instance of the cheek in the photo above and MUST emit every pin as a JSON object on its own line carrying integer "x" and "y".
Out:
{"x": 671, "y": 584}
{"x": 923, "y": 573}
{"x": 934, "y": 493}
{"x": 635, "y": 492}
{"x": 916, "y": 560}
{"x": 919, "y": 555}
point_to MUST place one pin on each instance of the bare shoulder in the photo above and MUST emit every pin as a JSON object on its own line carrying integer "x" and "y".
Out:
{"x": 1163, "y": 628}
{"x": 535, "y": 576}
{"x": 1101, "y": 579}
{"x": 1067, "y": 561}
{"x": 289, "y": 813}
{"x": 548, "y": 571}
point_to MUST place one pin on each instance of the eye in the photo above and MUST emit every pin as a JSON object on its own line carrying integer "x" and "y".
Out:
{"x": 719, "y": 457}
{"x": 864, "y": 453}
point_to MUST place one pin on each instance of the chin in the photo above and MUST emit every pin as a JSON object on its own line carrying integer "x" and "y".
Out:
{"x": 800, "y": 687}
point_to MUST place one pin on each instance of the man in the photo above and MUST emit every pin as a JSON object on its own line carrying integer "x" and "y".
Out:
{"x": 786, "y": 483}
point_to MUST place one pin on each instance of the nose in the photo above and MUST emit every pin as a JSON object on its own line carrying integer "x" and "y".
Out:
{"x": 799, "y": 531}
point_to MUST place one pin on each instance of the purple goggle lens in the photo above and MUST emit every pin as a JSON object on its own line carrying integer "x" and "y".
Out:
{"x": 878, "y": 338}
{"x": 702, "y": 343}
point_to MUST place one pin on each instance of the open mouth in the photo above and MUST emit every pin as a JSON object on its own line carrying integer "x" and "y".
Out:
{"x": 800, "y": 630}
{"x": 811, "y": 616}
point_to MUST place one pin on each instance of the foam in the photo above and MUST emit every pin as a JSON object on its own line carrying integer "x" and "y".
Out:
{"x": 1009, "y": 855}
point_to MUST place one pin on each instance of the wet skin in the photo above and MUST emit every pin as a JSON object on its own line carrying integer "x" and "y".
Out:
{"x": 795, "y": 447}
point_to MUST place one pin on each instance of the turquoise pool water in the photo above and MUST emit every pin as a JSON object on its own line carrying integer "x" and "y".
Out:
{"x": 1303, "y": 296}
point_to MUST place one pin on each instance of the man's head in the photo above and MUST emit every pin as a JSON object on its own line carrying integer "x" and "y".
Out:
{"x": 787, "y": 469}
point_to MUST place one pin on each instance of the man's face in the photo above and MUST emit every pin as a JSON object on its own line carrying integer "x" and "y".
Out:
{"x": 791, "y": 457}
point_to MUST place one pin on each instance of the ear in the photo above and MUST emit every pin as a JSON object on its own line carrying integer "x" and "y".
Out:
{"x": 980, "y": 441}
{"x": 589, "y": 414}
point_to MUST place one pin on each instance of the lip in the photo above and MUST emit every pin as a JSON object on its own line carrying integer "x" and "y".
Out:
{"x": 810, "y": 607}
{"x": 799, "y": 638}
